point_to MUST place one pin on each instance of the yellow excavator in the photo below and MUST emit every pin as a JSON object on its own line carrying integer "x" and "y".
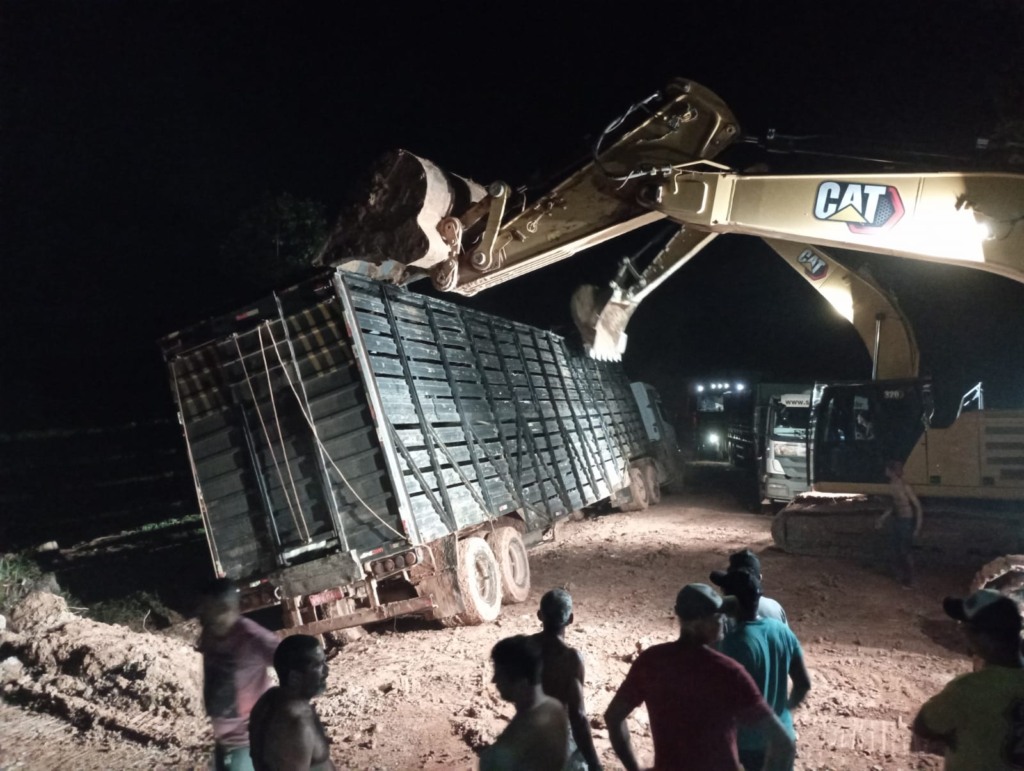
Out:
{"x": 418, "y": 220}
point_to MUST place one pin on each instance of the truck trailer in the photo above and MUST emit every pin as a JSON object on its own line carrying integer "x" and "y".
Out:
{"x": 362, "y": 452}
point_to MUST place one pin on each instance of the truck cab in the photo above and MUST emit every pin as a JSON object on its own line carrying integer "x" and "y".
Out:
{"x": 784, "y": 463}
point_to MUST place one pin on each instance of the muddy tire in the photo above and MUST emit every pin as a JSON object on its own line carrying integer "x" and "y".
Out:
{"x": 1004, "y": 574}
{"x": 513, "y": 564}
{"x": 479, "y": 582}
{"x": 638, "y": 489}
{"x": 653, "y": 486}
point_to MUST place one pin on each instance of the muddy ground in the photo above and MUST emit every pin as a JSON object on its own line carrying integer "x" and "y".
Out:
{"x": 78, "y": 694}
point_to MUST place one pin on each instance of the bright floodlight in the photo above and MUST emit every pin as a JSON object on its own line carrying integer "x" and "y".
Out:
{"x": 700, "y": 388}
{"x": 739, "y": 386}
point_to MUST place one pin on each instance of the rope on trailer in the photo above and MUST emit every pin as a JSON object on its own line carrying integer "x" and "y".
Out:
{"x": 316, "y": 438}
{"x": 300, "y": 526}
{"x": 277, "y": 422}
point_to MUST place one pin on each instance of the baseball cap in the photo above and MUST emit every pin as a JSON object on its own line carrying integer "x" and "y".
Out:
{"x": 556, "y": 606}
{"x": 741, "y": 560}
{"x": 986, "y": 611}
{"x": 696, "y": 601}
{"x": 739, "y": 583}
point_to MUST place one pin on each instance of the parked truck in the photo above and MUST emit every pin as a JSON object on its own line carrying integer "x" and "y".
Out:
{"x": 362, "y": 452}
{"x": 767, "y": 438}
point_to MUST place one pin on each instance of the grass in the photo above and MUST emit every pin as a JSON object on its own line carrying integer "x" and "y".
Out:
{"x": 18, "y": 576}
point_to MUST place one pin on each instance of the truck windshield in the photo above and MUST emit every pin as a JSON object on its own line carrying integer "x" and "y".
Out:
{"x": 791, "y": 423}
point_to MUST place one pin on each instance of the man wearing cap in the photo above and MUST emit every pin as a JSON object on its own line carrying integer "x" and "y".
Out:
{"x": 979, "y": 717}
{"x": 748, "y": 561}
{"x": 564, "y": 675}
{"x": 771, "y": 654}
{"x": 695, "y": 697}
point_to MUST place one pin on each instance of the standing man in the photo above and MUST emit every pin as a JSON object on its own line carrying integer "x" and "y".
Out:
{"x": 771, "y": 654}
{"x": 564, "y": 675}
{"x": 907, "y": 516}
{"x": 695, "y": 697}
{"x": 285, "y": 732}
{"x": 978, "y": 718}
{"x": 237, "y": 653}
{"x": 537, "y": 737}
{"x": 748, "y": 561}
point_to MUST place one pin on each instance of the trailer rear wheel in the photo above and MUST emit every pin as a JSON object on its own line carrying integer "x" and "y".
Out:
{"x": 479, "y": 582}
{"x": 513, "y": 564}
{"x": 638, "y": 491}
{"x": 653, "y": 487}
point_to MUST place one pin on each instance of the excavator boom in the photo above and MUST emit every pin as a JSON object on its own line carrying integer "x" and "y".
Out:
{"x": 469, "y": 238}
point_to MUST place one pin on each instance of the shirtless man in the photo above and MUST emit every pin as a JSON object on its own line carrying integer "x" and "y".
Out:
{"x": 906, "y": 513}
{"x": 285, "y": 733}
{"x": 537, "y": 738}
{"x": 564, "y": 675}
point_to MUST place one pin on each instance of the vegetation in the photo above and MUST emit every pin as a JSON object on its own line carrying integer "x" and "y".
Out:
{"x": 275, "y": 241}
{"x": 18, "y": 575}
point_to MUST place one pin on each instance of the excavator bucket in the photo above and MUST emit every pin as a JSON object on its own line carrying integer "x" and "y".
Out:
{"x": 601, "y": 318}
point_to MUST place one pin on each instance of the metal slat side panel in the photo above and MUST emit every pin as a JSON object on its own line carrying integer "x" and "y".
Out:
{"x": 405, "y": 517}
{"x": 345, "y": 451}
{"x": 610, "y": 457}
{"x": 491, "y": 414}
{"x": 430, "y": 393}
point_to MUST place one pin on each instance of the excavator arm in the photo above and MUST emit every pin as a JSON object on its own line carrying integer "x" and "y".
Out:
{"x": 469, "y": 238}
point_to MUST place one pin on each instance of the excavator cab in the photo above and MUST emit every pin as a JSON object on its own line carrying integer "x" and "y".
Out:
{"x": 856, "y": 428}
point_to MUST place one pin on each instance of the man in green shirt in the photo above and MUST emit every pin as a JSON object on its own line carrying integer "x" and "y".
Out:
{"x": 979, "y": 717}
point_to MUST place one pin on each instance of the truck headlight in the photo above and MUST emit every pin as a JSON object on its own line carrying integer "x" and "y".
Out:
{"x": 790, "y": 450}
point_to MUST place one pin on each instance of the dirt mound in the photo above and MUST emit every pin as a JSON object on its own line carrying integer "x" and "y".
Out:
{"x": 147, "y": 687}
{"x": 39, "y": 610}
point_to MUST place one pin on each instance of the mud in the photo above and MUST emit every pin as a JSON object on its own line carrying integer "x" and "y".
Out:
{"x": 412, "y": 695}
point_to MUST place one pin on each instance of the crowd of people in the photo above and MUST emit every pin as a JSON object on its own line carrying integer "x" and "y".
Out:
{"x": 720, "y": 696}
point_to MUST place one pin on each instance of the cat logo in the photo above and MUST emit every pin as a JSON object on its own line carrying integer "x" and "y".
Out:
{"x": 814, "y": 264}
{"x": 864, "y": 208}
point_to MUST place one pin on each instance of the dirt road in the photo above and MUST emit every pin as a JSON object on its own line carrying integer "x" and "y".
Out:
{"x": 414, "y": 696}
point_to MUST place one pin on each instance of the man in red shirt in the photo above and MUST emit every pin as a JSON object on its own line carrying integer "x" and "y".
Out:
{"x": 237, "y": 653}
{"x": 695, "y": 698}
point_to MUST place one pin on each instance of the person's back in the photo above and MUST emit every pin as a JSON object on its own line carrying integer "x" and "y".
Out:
{"x": 771, "y": 654}
{"x": 693, "y": 695}
{"x": 766, "y": 649}
{"x": 563, "y": 677}
{"x": 979, "y": 717}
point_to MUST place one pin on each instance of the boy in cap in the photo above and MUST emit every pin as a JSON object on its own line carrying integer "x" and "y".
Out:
{"x": 771, "y": 654}
{"x": 979, "y": 717}
{"x": 748, "y": 561}
{"x": 537, "y": 737}
{"x": 695, "y": 697}
{"x": 564, "y": 675}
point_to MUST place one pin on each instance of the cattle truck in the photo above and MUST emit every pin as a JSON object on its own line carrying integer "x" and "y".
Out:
{"x": 362, "y": 452}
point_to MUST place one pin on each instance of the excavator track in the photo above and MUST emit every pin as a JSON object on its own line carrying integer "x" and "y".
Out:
{"x": 954, "y": 532}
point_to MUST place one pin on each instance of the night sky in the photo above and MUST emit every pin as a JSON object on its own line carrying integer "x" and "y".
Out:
{"x": 135, "y": 133}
